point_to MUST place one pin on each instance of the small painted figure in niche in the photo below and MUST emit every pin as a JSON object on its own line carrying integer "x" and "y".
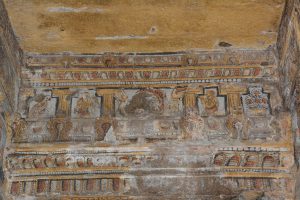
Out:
{"x": 40, "y": 107}
{"x": 19, "y": 127}
{"x": 83, "y": 106}
{"x": 86, "y": 105}
{"x": 210, "y": 102}
{"x": 122, "y": 98}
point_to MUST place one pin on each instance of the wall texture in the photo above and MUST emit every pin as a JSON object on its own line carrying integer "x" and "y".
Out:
{"x": 10, "y": 65}
{"x": 288, "y": 46}
{"x": 170, "y": 126}
{"x": 217, "y": 124}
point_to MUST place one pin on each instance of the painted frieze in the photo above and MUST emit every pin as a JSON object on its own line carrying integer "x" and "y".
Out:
{"x": 83, "y": 129}
{"x": 198, "y": 112}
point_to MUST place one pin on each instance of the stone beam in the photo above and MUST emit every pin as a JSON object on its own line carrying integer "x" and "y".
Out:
{"x": 11, "y": 57}
{"x": 10, "y": 67}
{"x": 288, "y": 48}
{"x": 168, "y": 69}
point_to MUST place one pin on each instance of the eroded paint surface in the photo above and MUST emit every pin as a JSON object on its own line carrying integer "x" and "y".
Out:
{"x": 215, "y": 124}
{"x": 143, "y": 26}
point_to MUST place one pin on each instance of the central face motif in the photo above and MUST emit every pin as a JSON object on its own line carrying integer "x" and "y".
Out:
{"x": 145, "y": 102}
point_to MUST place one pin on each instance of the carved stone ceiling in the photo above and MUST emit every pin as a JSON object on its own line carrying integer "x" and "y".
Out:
{"x": 91, "y": 26}
{"x": 160, "y": 122}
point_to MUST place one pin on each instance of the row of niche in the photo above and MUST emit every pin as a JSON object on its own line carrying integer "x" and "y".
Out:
{"x": 67, "y": 186}
{"x": 140, "y": 102}
{"x": 249, "y": 160}
{"x": 17, "y": 163}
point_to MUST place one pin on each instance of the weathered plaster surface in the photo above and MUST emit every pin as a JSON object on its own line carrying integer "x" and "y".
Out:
{"x": 288, "y": 46}
{"x": 215, "y": 124}
{"x": 187, "y": 128}
{"x": 143, "y": 26}
{"x": 10, "y": 65}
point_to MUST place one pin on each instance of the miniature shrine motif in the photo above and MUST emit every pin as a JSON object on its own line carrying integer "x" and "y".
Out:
{"x": 256, "y": 103}
{"x": 257, "y": 108}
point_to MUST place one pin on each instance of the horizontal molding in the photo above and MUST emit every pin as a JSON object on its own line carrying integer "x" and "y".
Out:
{"x": 188, "y": 58}
{"x": 131, "y": 172}
{"x": 127, "y": 77}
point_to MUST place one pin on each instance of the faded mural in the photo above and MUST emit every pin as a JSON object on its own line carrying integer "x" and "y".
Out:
{"x": 115, "y": 140}
{"x": 185, "y": 125}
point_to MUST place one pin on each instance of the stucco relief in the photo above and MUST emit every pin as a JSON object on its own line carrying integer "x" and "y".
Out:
{"x": 196, "y": 113}
{"x": 169, "y": 125}
{"x": 134, "y": 129}
{"x": 86, "y": 105}
{"x": 212, "y": 104}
